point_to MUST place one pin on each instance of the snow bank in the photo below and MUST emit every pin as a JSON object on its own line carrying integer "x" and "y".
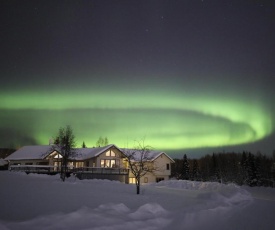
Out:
{"x": 108, "y": 216}
{"x": 45, "y": 202}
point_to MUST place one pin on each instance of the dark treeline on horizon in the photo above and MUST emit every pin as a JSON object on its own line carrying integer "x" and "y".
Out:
{"x": 239, "y": 168}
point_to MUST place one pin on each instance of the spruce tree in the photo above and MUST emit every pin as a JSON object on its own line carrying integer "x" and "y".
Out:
{"x": 186, "y": 170}
{"x": 251, "y": 170}
{"x": 214, "y": 169}
{"x": 195, "y": 171}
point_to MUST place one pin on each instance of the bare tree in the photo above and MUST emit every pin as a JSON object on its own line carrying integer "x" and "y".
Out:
{"x": 64, "y": 144}
{"x": 102, "y": 142}
{"x": 140, "y": 162}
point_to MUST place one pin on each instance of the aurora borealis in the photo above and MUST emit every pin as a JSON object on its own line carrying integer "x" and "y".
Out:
{"x": 183, "y": 75}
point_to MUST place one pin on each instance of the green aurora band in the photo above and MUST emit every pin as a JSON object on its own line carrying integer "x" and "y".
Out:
{"x": 166, "y": 120}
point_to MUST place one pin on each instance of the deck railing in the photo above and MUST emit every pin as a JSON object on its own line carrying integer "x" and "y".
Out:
{"x": 33, "y": 168}
{"x": 51, "y": 169}
{"x": 93, "y": 170}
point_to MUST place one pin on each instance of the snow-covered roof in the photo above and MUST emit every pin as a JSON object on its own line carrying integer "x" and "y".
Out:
{"x": 86, "y": 153}
{"x": 39, "y": 152}
{"x": 32, "y": 152}
{"x": 150, "y": 155}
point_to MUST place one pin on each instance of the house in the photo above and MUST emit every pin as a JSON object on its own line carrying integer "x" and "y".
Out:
{"x": 108, "y": 162}
{"x": 158, "y": 162}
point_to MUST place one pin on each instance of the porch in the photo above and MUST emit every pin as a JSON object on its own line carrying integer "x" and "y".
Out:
{"x": 120, "y": 174}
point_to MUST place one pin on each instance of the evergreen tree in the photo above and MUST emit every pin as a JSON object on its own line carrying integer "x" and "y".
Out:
{"x": 186, "y": 170}
{"x": 244, "y": 166}
{"x": 195, "y": 170}
{"x": 176, "y": 169}
{"x": 84, "y": 145}
{"x": 258, "y": 169}
{"x": 251, "y": 170}
{"x": 214, "y": 169}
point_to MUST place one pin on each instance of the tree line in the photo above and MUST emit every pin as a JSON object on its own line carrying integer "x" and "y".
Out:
{"x": 239, "y": 168}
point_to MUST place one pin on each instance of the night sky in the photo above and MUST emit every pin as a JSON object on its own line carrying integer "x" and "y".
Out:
{"x": 188, "y": 76}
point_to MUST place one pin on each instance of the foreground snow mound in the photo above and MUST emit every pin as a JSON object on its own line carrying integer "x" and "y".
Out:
{"x": 149, "y": 211}
{"x": 45, "y": 202}
{"x": 194, "y": 185}
{"x": 218, "y": 202}
{"x": 105, "y": 217}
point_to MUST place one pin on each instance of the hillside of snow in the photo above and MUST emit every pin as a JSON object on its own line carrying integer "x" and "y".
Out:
{"x": 45, "y": 202}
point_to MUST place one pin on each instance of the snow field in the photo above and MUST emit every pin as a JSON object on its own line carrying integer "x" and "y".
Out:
{"x": 44, "y": 202}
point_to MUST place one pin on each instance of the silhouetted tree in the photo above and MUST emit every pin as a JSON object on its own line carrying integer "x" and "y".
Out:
{"x": 195, "y": 170}
{"x": 176, "y": 169}
{"x": 84, "y": 145}
{"x": 186, "y": 168}
{"x": 102, "y": 142}
{"x": 238, "y": 168}
{"x": 139, "y": 161}
{"x": 64, "y": 144}
{"x": 251, "y": 170}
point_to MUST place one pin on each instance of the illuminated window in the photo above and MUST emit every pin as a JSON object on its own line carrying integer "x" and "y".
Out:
{"x": 132, "y": 180}
{"x": 110, "y": 153}
{"x": 58, "y": 156}
{"x": 105, "y": 163}
{"x": 78, "y": 164}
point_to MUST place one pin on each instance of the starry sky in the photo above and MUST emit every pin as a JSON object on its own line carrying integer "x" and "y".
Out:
{"x": 187, "y": 76}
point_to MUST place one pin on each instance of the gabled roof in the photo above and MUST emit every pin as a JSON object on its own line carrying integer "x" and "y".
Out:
{"x": 151, "y": 155}
{"x": 87, "y": 153}
{"x": 39, "y": 152}
{"x": 33, "y": 152}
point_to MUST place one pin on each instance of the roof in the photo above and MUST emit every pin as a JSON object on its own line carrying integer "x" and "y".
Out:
{"x": 87, "y": 153}
{"x": 151, "y": 155}
{"x": 39, "y": 152}
{"x": 33, "y": 152}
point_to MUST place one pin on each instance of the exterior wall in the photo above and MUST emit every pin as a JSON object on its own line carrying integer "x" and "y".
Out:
{"x": 29, "y": 162}
{"x": 90, "y": 163}
{"x": 161, "y": 172}
{"x": 161, "y": 166}
{"x": 121, "y": 178}
{"x": 110, "y": 154}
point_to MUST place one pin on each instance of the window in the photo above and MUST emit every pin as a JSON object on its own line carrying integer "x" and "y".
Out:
{"x": 110, "y": 153}
{"x": 105, "y": 163}
{"x": 167, "y": 166}
{"x": 132, "y": 180}
{"x": 145, "y": 179}
{"x": 79, "y": 164}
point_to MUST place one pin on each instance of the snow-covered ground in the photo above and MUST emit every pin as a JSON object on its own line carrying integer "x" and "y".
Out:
{"x": 44, "y": 202}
